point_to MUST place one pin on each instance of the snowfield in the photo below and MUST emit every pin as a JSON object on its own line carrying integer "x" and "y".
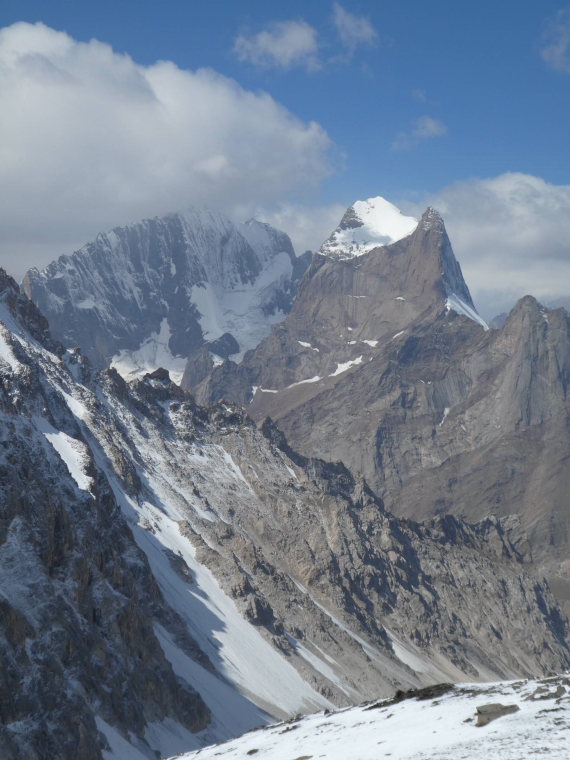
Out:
{"x": 436, "y": 723}
{"x": 376, "y": 222}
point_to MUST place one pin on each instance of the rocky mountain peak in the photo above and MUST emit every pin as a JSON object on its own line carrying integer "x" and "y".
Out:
{"x": 352, "y": 301}
{"x": 17, "y": 312}
{"x": 154, "y": 292}
{"x": 426, "y": 262}
{"x": 7, "y": 282}
{"x": 527, "y": 306}
{"x": 432, "y": 220}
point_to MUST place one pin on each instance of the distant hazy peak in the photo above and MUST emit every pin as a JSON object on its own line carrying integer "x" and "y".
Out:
{"x": 151, "y": 293}
{"x": 366, "y": 225}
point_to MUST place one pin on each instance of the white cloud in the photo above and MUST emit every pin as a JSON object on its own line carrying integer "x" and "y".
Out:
{"x": 352, "y": 30}
{"x": 424, "y": 128}
{"x": 90, "y": 139}
{"x": 511, "y": 234}
{"x": 555, "y": 42}
{"x": 307, "y": 226}
{"x": 283, "y": 44}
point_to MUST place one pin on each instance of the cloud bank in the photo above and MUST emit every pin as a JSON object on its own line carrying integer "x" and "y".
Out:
{"x": 90, "y": 139}
{"x": 511, "y": 234}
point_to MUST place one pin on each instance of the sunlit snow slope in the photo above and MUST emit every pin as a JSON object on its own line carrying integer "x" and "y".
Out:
{"x": 366, "y": 225}
{"x": 433, "y": 724}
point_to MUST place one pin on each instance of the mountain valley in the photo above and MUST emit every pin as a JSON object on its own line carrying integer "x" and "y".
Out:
{"x": 238, "y": 486}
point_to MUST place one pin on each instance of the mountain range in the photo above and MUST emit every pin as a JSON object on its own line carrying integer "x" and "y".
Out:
{"x": 385, "y": 365}
{"x": 266, "y": 485}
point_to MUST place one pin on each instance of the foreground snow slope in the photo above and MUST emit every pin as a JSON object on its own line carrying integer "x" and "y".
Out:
{"x": 425, "y": 726}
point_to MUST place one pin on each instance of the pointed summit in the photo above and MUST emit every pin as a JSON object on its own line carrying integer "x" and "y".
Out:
{"x": 366, "y": 225}
{"x": 432, "y": 220}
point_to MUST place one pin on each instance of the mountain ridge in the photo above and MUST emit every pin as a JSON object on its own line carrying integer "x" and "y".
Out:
{"x": 384, "y": 364}
{"x": 163, "y": 287}
{"x": 196, "y": 514}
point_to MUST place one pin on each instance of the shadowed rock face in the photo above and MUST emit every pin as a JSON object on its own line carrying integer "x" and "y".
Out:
{"x": 374, "y": 367}
{"x": 77, "y": 598}
{"x": 169, "y": 279}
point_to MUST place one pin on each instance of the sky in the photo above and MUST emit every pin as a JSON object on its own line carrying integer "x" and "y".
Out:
{"x": 289, "y": 111}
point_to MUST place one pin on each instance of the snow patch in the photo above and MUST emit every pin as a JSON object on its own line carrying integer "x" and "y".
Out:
{"x": 307, "y": 345}
{"x": 77, "y": 408}
{"x": 314, "y": 379}
{"x": 454, "y": 303}
{"x": 322, "y": 667}
{"x": 6, "y": 353}
{"x": 406, "y": 655}
{"x": 74, "y": 453}
{"x": 154, "y": 352}
{"x": 340, "y": 368}
{"x": 239, "y": 309}
{"x": 255, "y": 388}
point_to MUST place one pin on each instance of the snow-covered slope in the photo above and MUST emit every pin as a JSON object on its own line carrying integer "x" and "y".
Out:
{"x": 527, "y": 719}
{"x": 149, "y": 294}
{"x": 366, "y": 225}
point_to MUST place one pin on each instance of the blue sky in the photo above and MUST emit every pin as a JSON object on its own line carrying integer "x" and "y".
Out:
{"x": 411, "y": 99}
{"x": 477, "y": 64}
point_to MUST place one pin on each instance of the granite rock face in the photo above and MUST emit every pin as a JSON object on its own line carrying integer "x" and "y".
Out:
{"x": 384, "y": 364}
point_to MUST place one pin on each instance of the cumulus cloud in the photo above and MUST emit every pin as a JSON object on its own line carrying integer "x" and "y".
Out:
{"x": 511, "y": 234}
{"x": 287, "y": 44}
{"x": 282, "y": 45}
{"x": 424, "y": 128}
{"x": 352, "y": 30}
{"x": 555, "y": 42}
{"x": 90, "y": 139}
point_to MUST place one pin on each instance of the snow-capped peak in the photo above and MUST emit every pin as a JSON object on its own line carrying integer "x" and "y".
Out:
{"x": 366, "y": 225}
